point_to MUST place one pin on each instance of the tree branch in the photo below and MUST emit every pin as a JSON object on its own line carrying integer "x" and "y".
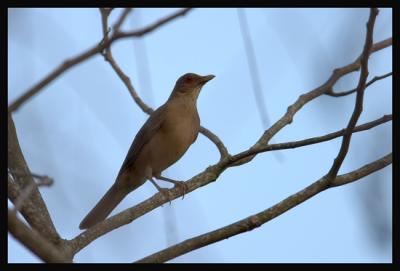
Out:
{"x": 223, "y": 151}
{"x": 358, "y": 107}
{"x": 308, "y": 141}
{"x": 307, "y": 97}
{"x": 263, "y": 217}
{"x": 34, "y": 241}
{"x": 150, "y": 28}
{"x": 98, "y": 48}
{"x": 121, "y": 19}
{"x": 33, "y": 209}
{"x": 344, "y": 93}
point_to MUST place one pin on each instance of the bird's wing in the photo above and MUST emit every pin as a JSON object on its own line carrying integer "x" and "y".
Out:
{"x": 145, "y": 134}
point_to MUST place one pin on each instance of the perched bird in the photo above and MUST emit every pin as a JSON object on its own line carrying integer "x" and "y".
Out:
{"x": 162, "y": 140}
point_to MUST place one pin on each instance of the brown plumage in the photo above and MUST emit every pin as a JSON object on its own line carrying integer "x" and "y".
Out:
{"x": 162, "y": 140}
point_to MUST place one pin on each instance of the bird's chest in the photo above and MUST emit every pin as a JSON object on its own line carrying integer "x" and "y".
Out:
{"x": 182, "y": 129}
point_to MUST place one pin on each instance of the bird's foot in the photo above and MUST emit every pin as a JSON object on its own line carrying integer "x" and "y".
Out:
{"x": 183, "y": 186}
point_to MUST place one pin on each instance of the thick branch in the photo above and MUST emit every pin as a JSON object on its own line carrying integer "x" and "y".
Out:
{"x": 34, "y": 241}
{"x": 358, "y": 107}
{"x": 263, "y": 217}
{"x": 98, "y": 48}
{"x": 33, "y": 209}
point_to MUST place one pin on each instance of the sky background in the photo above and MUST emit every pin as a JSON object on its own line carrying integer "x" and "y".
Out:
{"x": 79, "y": 128}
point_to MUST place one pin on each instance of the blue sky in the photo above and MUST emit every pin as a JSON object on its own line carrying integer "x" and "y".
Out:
{"x": 79, "y": 128}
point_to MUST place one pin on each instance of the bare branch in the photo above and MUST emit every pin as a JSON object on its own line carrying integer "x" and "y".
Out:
{"x": 308, "y": 141}
{"x": 362, "y": 172}
{"x": 105, "y": 12}
{"x": 121, "y": 19}
{"x": 127, "y": 81}
{"x": 358, "y": 107}
{"x": 97, "y": 48}
{"x": 26, "y": 192}
{"x": 35, "y": 242}
{"x": 223, "y": 151}
{"x": 263, "y": 217}
{"x": 150, "y": 28}
{"x": 381, "y": 45}
{"x": 35, "y": 212}
{"x": 344, "y": 93}
{"x": 307, "y": 97}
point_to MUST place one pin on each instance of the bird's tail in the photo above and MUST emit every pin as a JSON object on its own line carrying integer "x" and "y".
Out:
{"x": 104, "y": 207}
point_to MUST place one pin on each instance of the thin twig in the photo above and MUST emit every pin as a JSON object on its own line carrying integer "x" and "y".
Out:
{"x": 155, "y": 25}
{"x": 121, "y": 19}
{"x": 223, "y": 151}
{"x": 263, "y": 217}
{"x": 344, "y": 93}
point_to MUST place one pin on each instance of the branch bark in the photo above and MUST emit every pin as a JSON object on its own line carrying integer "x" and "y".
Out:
{"x": 34, "y": 241}
{"x": 263, "y": 217}
{"x": 33, "y": 208}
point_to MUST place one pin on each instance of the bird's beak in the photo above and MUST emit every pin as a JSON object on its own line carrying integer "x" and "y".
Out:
{"x": 205, "y": 79}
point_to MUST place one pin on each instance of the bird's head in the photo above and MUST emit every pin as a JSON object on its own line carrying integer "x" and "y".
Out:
{"x": 189, "y": 85}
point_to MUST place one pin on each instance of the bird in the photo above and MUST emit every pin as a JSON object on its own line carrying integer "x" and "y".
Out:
{"x": 162, "y": 140}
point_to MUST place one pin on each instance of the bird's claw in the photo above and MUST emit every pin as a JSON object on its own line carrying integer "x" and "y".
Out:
{"x": 183, "y": 187}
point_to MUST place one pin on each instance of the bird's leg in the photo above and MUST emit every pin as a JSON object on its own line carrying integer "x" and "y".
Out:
{"x": 181, "y": 184}
{"x": 163, "y": 191}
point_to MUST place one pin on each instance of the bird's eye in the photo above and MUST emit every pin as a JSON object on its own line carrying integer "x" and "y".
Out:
{"x": 189, "y": 79}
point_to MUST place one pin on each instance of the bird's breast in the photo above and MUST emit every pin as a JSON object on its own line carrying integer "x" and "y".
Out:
{"x": 182, "y": 129}
{"x": 178, "y": 131}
